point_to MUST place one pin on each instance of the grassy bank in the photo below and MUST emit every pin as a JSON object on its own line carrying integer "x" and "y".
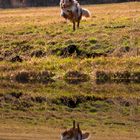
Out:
{"x": 40, "y": 41}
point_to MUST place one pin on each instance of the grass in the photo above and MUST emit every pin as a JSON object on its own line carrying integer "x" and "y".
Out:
{"x": 111, "y": 107}
{"x": 44, "y": 132}
{"x": 107, "y": 32}
{"x": 40, "y": 25}
{"x": 108, "y": 42}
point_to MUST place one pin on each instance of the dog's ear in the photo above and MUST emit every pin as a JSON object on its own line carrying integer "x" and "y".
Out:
{"x": 85, "y": 136}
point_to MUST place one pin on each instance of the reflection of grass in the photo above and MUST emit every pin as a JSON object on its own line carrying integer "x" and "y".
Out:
{"x": 34, "y": 132}
{"x": 60, "y": 88}
{"x": 100, "y": 104}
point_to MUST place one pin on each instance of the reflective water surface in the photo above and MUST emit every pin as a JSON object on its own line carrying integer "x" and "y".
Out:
{"x": 111, "y": 105}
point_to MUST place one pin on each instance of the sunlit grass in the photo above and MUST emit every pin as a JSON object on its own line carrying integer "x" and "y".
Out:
{"x": 111, "y": 26}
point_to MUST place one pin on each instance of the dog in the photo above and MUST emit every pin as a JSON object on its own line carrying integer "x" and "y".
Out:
{"x": 75, "y": 133}
{"x": 71, "y": 10}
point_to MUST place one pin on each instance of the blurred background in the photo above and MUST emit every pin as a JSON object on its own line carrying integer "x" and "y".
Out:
{"x": 35, "y": 3}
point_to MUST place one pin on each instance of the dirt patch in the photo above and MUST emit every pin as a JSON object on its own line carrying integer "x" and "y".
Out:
{"x": 20, "y": 101}
{"x": 22, "y": 77}
{"x": 118, "y": 77}
{"x": 16, "y": 58}
{"x": 1, "y": 58}
{"x": 7, "y": 53}
{"x": 16, "y": 94}
{"x": 76, "y": 77}
{"x": 10, "y": 97}
{"x": 125, "y": 52}
{"x": 67, "y": 51}
{"x": 74, "y": 101}
{"x": 74, "y": 50}
{"x": 31, "y": 76}
{"x": 38, "y": 53}
{"x": 39, "y": 99}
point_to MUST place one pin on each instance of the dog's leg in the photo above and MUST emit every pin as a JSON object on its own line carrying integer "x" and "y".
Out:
{"x": 78, "y": 23}
{"x": 73, "y": 25}
{"x": 79, "y": 19}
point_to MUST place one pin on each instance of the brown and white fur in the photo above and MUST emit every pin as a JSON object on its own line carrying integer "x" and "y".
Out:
{"x": 71, "y": 10}
{"x": 74, "y": 133}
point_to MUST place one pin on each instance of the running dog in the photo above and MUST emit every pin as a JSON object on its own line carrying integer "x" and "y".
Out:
{"x": 71, "y": 10}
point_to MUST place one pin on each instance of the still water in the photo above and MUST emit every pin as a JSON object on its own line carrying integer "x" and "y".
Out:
{"x": 95, "y": 105}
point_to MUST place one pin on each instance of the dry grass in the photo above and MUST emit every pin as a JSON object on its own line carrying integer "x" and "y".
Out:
{"x": 22, "y": 132}
{"x": 43, "y": 16}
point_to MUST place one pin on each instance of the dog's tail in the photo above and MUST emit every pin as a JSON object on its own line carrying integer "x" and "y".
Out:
{"x": 85, "y": 13}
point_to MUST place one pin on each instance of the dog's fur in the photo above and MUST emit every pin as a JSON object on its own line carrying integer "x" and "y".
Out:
{"x": 71, "y": 10}
{"x": 74, "y": 134}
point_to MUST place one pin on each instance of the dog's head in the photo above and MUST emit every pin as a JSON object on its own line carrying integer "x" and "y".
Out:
{"x": 66, "y": 3}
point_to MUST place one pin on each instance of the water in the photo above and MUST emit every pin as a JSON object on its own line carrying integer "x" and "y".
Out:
{"x": 111, "y": 105}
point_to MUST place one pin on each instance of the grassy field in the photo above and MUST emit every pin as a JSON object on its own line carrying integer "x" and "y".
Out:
{"x": 51, "y": 75}
{"x": 40, "y": 40}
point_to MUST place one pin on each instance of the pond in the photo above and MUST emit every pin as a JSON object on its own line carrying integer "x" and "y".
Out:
{"x": 109, "y": 104}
